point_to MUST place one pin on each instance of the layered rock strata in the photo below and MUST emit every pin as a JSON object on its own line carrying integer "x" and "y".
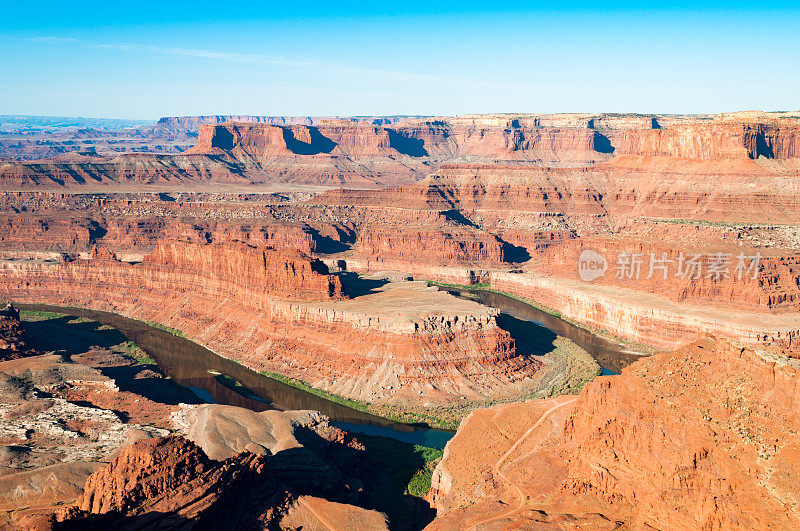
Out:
{"x": 703, "y": 212}
{"x": 670, "y": 187}
{"x": 359, "y": 153}
{"x": 275, "y": 310}
{"x": 650, "y": 319}
{"x": 171, "y": 482}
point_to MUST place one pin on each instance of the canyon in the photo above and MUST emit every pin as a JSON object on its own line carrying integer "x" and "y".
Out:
{"x": 511, "y": 201}
{"x": 277, "y": 310}
{"x": 379, "y": 152}
{"x": 321, "y": 250}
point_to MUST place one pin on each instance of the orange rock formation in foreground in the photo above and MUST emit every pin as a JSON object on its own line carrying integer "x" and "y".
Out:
{"x": 169, "y": 482}
{"x": 703, "y": 437}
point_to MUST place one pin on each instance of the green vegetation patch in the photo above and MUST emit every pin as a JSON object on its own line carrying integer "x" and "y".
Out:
{"x": 167, "y": 329}
{"x": 420, "y": 482}
{"x": 298, "y": 384}
{"x": 403, "y": 477}
{"x": 32, "y": 315}
{"x": 237, "y": 386}
{"x": 133, "y": 351}
{"x": 401, "y": 414}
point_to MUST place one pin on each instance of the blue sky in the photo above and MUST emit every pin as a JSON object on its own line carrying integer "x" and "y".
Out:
{"x": 150, "y": 59}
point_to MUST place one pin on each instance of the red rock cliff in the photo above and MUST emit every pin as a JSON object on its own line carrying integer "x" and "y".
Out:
{"x": 237, "y": 267}
{"x": 714, "y": 141}
{"x": 698, "y": 438}
{"x": 157, "y": 481}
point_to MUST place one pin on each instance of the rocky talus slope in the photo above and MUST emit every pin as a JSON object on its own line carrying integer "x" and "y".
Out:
{"x": 702, "y": 438}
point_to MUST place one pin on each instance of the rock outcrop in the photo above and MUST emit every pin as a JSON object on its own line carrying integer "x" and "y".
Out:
{"x": 61, "y": 417}
{"x": 244, "y": 271}
{"x": 651, "y": 319}
{"x": 715, "y": 141}
{"x": 12, "y": 345}
{"x": 522, "y": 193}
{"x": 365, "y": 152}
{"x": 170, "y": 482}
{"x": 697, "y": 438}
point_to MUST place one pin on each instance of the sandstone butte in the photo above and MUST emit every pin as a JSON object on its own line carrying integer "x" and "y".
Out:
{"x": 330, "y": 152}
{"x": 342, "y": 152}
{"x": 278, "y": 310}
{"x": 700, "y": 438}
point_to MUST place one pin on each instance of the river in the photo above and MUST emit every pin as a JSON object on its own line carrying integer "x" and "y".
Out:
{"x": 612, "y": 356}
{"x": 199, "y": 369}
{"x": 205, "y": 372}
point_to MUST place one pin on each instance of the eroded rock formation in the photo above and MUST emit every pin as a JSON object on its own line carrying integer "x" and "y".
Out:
{"x": 277, "y": 310}
{"x": 157, "y": 481}
{"x": 521, "y": 193}
{"x": 12, "y": 345}
{"x": 351, "y": 152}
{"x": 697, "y": 438}
{"x": 62, "y": 419}
{"x": 170, "y": 482}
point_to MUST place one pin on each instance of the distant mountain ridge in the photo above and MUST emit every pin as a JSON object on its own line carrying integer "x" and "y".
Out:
{"x": 192, "y": 123}
{"x": 21, "y": 122}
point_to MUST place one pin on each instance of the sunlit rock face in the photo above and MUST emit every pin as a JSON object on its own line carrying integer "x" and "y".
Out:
{"x": 700, "y": 438}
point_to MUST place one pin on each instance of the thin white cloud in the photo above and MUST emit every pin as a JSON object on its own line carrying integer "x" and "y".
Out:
{"x": 114, "y": 46}
{"x": 265, "y": 59}
{"x": 239, "y": 57}
{"x": 47, "y": 38}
